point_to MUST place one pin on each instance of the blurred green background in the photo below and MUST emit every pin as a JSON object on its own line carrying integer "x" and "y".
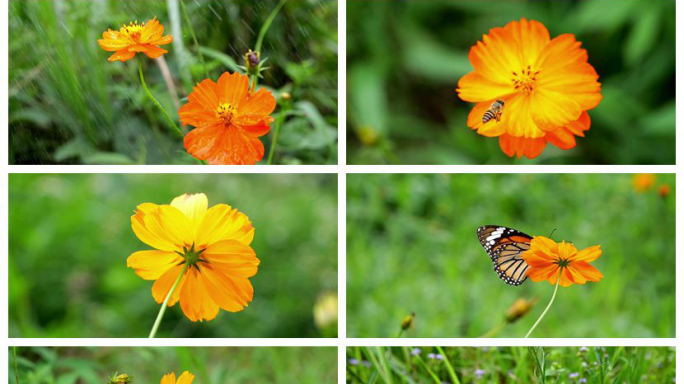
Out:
{"x": 412, "y": 247}
{"x": 590, "y": 365}
{"x": 70, "y": 235}
{"x": 214, "y": 365}
{"x": 69, "y": 105}
{"x": 404, "y": 60}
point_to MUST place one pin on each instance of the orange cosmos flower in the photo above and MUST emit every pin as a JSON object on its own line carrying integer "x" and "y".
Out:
{"x": 185, "y": 378}
{"x": 546, "y": 86}
{"x": 134, "y": 37}
{"x": 213, "y": 243}
{"x": 642, "y": 182}
{"x": 547, "y": 259}
{"x": 228, "y": 120}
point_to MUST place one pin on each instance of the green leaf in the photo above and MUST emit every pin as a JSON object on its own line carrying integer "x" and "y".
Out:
{"x": 642, "y": 37}
{"x": 107, "y": 158}
{"x": 228, "y": 61}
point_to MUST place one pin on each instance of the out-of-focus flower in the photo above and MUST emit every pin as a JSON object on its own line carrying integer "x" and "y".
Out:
{"x": 479, "y": 373}
{"x": 228, "y": 120}
{"x": 546, "y": 86}
{"x": 353, "y": 361}
{"x": 642, "y": 182}
{"x": 133, "y": 38}
{"x": 663, "y": 190}
{"x": 368, "y": 135}
{"x": 583, "y": 380}
{"x": 520, "y": 308}
{"x": 435, "y": 356}
{"x": 548, "y": 259}
{"x": 185, "y": 378}
{"x": 211, "y": 247}
{"x": 325, "y": 310}
{"x": 415, "y": 352}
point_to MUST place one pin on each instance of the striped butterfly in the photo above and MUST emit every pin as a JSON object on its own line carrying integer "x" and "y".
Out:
{"x": 504, "y": 246}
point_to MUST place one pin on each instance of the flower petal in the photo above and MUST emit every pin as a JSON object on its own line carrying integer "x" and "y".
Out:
{"x": 221, "y": 222}
{"x": 587, "y": 271}
{"x": 150, "y": 265}
{"x": 553, "y": 109}
{"x": 195, "y": 301}
{"x": 233, "y": 88}
{"x": 564, "y": 69}
{"x": 219, "y": 144}
{"x": 588, "y": 254}
{"x": 162, "y": 227}
{"x": 193, "y": 206}
{"x": 186, "y": 378}
{"x": 229, "y": 292}
{"x": 521, "y": 146}
{"x": 161, "y": 287}
{"x": 169, "y": 378}
{"x": 122, "y": 55}
{"x": 206, "y": 95}
{"x": 154, "y": 52}
{"x": 476, "y": 88}
{"x": 232, "y": 257}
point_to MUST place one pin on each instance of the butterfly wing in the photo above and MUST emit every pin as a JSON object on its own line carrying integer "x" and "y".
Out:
{"x": 504, "y": 246}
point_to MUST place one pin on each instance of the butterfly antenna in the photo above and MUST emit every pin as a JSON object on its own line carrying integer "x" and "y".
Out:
{"x": 554, "y": 230}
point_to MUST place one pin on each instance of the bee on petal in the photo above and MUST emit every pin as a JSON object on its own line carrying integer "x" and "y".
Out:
{"x": 494, "y": 111}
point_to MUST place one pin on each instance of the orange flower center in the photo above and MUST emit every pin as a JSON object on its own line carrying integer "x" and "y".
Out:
{"x": 525, "y": 81}
{"x": 226, "y": 112}
{"x": 132, "y": 30}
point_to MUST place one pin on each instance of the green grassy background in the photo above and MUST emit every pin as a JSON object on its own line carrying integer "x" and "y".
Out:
{"x": 405, "y": 58}
{"x": 69, "y": 105}
{"x": 70, "y": 235}
{"x": 412, "y": 247}
{"x": 214, "y": 365}
{"x": 596, "y": 365}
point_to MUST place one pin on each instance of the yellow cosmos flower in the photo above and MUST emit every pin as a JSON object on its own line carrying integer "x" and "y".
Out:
{"x": 210, "y": 246}
{"x": 185, "y": 378}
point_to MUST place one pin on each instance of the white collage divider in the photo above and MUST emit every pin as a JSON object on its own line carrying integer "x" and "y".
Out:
{"x": 341, "y": 170}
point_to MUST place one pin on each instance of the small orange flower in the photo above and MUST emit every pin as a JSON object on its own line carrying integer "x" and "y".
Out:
{"x": 546, "y": 84}
{"x": 134, "y": 37}
{"x": 214, "y": 243}
{"x": 547, "y": 259}
{"x": 185, "y": 378}
{"x": 664, "y": 190}
{"x": 228, "y": 120}
{"x": 642, "y": 182}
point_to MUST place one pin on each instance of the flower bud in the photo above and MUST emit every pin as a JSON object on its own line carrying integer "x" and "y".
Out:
{"x": 252, "y": 60}
{"x": 520, "y": 308}
{"x": 408, "y": 321}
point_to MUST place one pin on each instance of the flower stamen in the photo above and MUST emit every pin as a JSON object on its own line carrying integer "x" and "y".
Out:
{"x": 226, "y": 111}
{"x": 133, "y": 30}
{"x": 526, "y": 81}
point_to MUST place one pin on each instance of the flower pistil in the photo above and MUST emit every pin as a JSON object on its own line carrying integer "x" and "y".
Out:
{"x": 526, "y": 81}
{"x": 226, "y": 111}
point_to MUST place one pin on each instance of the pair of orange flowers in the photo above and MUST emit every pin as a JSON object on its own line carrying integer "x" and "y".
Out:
{"x": 227, "y": 115}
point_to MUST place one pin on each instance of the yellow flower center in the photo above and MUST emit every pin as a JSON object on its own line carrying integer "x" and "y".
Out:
{"x": 525, "y": 81}
{"x": 132, "y": 30}
{"x": 226, "y": 112}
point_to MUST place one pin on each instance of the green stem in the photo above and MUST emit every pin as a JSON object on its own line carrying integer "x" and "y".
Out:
{"x": 548, "y": 306}
{"x": 274, "y": 142}
{"x": 450, "y": 368}
{"x": 16, "y": 366}
{"x": 149, "y": 95}
{"x": 194, "y": 39}
{"x": 262, "y": 34}
{"x": 160, "y": 316}
{"x": 267, "y": 25}
{"x": 492, "y": 332}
